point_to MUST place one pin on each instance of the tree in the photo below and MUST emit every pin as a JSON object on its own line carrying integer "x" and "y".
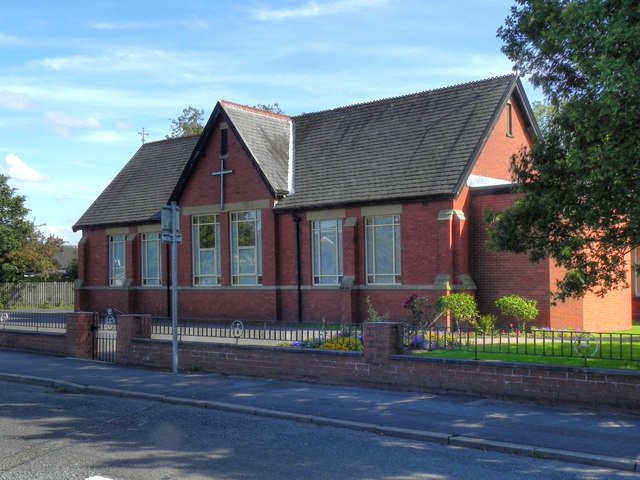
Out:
{"x": 189, "y": 123}
{"x": 462, "y": 306}
{"x": 581, "y": 179}
{"x": 271, "y": 108}
{"x": 35, "y": 257}
{"x": 23, "y": 248}
{"x": 520, "y": 308}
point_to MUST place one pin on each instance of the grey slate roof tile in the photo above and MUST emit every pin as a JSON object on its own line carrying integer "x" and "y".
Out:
{"x": 143, "y": 186}
{"x": 407, "y": 147}
{"x": 266, "y": 136}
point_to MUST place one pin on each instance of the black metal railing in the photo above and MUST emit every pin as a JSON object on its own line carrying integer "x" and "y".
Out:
{"x": 301, "y": 335}
{"x": 33, "y": 321}
{"x": 537, "y": 342}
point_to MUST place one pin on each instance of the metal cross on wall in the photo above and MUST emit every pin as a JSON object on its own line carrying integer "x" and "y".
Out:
{"x": 221, "y": 173}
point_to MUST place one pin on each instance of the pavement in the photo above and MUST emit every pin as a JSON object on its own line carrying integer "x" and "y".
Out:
{"x": 593, "y": 437}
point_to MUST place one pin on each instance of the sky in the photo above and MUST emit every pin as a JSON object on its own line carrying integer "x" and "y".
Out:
{"x": 80, "y": 80}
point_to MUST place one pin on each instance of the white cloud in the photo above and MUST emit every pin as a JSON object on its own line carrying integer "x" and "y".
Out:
{"x": 315, "y": 9}
{"x": 64, "y": 124}
{"x": 125, "y": 25}
{"x": 123, "y": 60}
{"x": 18, "y": 170}
{"x": 8, "y": 41}
{"x": 15, "y": 101}
{"x": 106, "y": 137}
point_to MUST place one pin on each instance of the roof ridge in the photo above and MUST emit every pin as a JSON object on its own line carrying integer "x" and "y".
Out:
{"x": 255, "y": 110}
{"x": 169, "y": 139}
{"x": 398, "y": 97}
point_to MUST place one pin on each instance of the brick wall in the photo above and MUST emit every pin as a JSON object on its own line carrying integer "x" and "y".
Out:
{"x": 380, "y": 368}
{"x": 75, "y": 341}
{"x": 55, "y": 343}
{"x": 494, "y": 161}
{"x": 497, "y": 274}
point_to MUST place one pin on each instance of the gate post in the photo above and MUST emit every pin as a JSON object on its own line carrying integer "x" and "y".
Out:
{"x": 80, "y": 334}
{"x": 130, "y": 327}
{"x": 382, "y": 339}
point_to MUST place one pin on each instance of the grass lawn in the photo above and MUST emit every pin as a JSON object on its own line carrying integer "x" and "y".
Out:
{"x": 614, "y": 351}
{"x": 523, "y": 358}
{"x": 633, "y": 330}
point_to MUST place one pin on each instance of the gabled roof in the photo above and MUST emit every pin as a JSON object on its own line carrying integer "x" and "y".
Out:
{"x": 412, "y": 147}
{"x": 416, "y": 146}
{"x": 265, "y": 136}
{"x": 137, "y": 194}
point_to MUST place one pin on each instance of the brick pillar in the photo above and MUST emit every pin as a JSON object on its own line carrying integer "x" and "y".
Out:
{"x": 79, "y": 334}
{"x": 382, "y": 339}
{"x": 128, "y": 328}
{"x": 349, "y": 299}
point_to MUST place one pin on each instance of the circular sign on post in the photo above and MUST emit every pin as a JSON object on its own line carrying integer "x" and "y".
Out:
{"x": 237, "y": 328}
{"x": 586, "y": 345}
{"x": 109, "y": 320}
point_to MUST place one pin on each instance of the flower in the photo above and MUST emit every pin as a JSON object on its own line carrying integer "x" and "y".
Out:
{"x": 410, "y": 300}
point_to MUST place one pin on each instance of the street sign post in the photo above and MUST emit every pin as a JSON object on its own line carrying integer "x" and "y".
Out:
{"x": 170, "y": 223}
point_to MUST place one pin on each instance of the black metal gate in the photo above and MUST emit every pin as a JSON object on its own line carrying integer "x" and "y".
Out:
{"x": 104, "y": 331}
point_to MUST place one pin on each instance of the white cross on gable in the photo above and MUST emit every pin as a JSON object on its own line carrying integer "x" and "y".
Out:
{"x": 221, "y": 174}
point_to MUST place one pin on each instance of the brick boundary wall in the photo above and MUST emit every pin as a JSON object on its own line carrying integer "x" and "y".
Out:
{"x": 380, "y": 366}
{"x": 75, "y": 341}
{"x": 55, "y": 343}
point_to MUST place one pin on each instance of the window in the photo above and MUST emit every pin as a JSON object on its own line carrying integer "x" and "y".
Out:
{"x": 636, "y": 274}
{"x": 117, "y": 263}
{"x": 327, "y": 252}
{"x": 206, "y": 250}
{"x": 383, "y": 249}
{"x": 509, "y": 119}
{"x": 224, "y": 141}
{"x": 246, "y": 248}
{"x": 151, "y": 259}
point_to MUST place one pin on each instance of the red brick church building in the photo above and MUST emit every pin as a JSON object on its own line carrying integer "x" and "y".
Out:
{"x": 303, "y": 218}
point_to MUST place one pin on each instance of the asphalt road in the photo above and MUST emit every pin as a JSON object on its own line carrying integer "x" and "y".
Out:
{"x": 49, "y": 434}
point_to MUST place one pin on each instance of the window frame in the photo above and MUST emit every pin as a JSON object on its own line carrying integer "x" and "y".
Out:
{"x": 254, "y": 277}
{"x": 117, "y": 253}
{"x": 373, "y": 277}
{"x": 318, "y": 276}
{"x": 509, "y": 112}
{"x": 636, "y": 274}
{"x": 200, "y": 279}
{"x": 147, "y": 241}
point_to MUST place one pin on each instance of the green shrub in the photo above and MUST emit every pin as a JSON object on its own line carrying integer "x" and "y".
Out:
{"x": 518, "y": 307}
{"x": 484, "y": 324}
{"x": 4, "y": 300}
{"x": 372, "y": 314}
{"x": 462, "y": 306}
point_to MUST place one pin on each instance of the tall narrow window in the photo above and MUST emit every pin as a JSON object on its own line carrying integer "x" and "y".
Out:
{"x": 509, "y": 112}
{"x": 246, "y": 248}
{"x": 206, "y": 250}
{"x": 636, "y": 273}
{"x": 151, "y": 259}
{"x": 117, "y": 264}
{"x": 327, "y": 252}
{"x": 383, "y": 249}
{"x": 224, "y": 141}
